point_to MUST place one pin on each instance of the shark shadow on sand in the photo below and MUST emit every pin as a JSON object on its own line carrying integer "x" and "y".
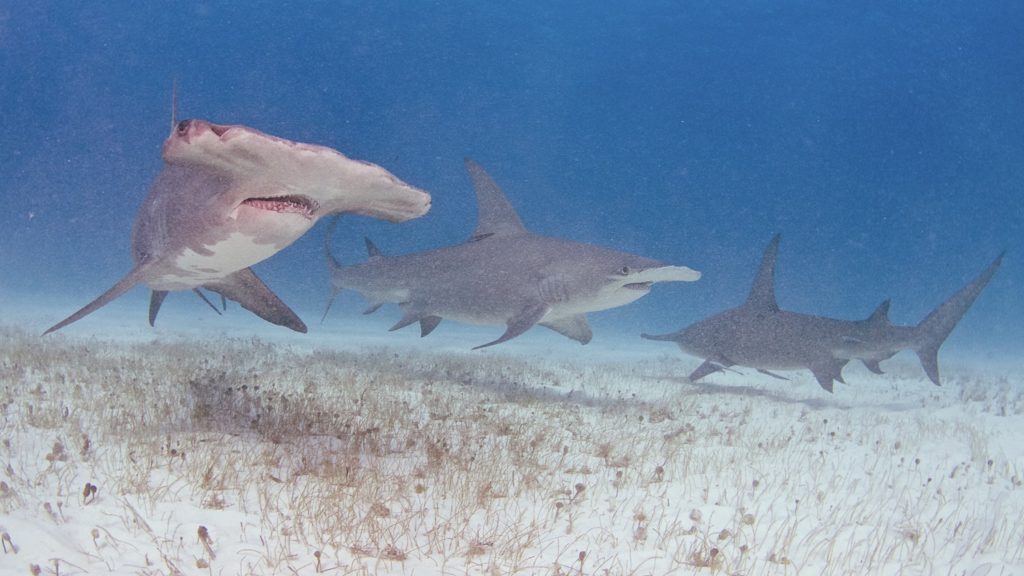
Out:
{"x": 704, "y": 388}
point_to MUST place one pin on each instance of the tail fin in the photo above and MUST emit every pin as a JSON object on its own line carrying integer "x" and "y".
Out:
{"x": 935, "y": 328}
{"x": 333, "y": 265}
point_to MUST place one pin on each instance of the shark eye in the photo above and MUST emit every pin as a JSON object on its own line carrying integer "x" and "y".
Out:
{"x": 624, "y": 270}
{"x": 183, "y": 127}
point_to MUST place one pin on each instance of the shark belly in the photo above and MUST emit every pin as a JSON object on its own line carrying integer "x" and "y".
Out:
{"x": 193, "y": 268}
{"x": 577, "y": 306}
{"x": 477, "y": 313}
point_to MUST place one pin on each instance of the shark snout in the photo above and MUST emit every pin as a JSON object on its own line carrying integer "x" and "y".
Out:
{"x": 192, "y": 129}
{"x": 393, "y": 200}
{"x": 188, "y": 129}
{"x": 643, "y": 279}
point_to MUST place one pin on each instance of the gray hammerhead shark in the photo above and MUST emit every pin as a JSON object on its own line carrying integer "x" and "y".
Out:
{"x": 504, "y": 275}
{"x": 759, "y": 335}
{"x": 230, "y": 196}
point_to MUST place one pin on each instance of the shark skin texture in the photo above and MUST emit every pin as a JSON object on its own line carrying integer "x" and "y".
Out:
{"x": 759, "y": 335}
{"x": 229, "y": 196}
{"x": 503, "y": 275}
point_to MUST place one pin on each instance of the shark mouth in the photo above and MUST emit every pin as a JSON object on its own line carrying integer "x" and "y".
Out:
{"x": 638, "y": 285}
{"x": 285, "y": 205}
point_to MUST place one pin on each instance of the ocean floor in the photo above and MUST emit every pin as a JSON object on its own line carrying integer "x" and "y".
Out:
{"x": 199, "y": 448}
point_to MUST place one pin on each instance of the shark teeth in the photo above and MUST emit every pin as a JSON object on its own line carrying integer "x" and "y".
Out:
{"x": 285, "y": 205}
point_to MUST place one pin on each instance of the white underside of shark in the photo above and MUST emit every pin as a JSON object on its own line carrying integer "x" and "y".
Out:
{"x": 231, "y": 196}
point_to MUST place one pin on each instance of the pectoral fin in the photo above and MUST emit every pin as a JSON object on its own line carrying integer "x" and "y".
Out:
{"x": 428, "y": 323}
{"x": 520, "y": 323}
{"x": 574, "y": 327}
{"x": 253, "y": 295}
{"x": 707, "y": 367}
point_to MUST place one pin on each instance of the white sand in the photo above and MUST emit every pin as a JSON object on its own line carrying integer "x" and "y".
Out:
{"x": 352, "y": 450}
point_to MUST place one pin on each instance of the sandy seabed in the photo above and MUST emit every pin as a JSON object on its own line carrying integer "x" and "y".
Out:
{"x": 182, "y": 452}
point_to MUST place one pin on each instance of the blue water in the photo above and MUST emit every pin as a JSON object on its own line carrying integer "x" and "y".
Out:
{"x": 884, "y": 140}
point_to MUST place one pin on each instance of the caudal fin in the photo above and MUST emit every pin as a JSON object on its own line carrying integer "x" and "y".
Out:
{"x": 333, "y": 266}
{"x": 123, "y": 285}
{"x": 936, "y": 327}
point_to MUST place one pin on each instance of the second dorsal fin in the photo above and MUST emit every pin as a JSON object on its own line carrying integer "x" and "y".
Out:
{"x": 371, "y": 249}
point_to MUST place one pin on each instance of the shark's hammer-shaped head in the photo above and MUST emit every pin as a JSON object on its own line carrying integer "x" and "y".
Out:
{"x": 283, "y": 186}
{"x": 577, "y": 278}
{"x": 623, "y": 283}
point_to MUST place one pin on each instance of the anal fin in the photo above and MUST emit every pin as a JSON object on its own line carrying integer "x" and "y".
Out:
{"x": 873, "y": 365}
{"x": 827, "y": 373}
{"x": 253, "y": 295}
{"x": 412, "y": 314}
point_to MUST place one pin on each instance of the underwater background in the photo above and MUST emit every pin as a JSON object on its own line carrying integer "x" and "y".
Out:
{"x": 883, "y": 140}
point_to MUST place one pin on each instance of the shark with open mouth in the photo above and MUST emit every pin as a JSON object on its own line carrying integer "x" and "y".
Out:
{"x": 229, "y": 196}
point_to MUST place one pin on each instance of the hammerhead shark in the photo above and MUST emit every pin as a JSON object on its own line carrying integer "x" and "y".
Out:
{"x": 229, "y": 196}
{"x": 759, "y": 335}
{"x": 503, "y": 274}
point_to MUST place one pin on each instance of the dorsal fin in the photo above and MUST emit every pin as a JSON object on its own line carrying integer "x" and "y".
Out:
{"x": 371, "y": 249}
{"x": 496, "y": 216}
{"x": 762, "y": 293}
{"x": 881, "y": 314}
